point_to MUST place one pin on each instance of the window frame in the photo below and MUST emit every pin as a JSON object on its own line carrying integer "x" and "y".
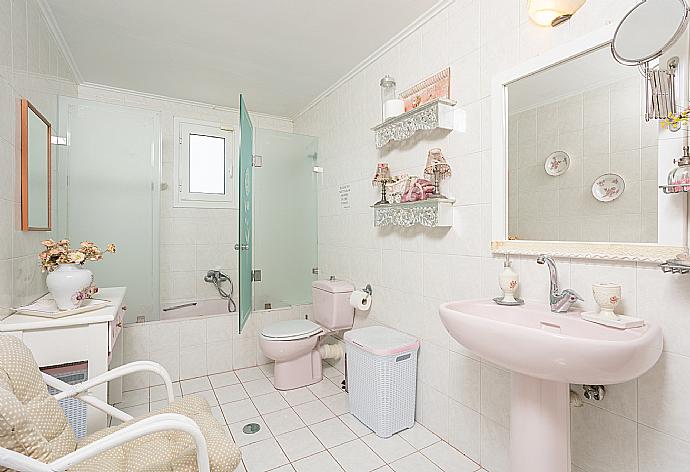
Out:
{"x": 183, "y": 128}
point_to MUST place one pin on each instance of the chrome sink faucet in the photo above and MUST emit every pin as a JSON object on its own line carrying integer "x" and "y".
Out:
{"x": 560, "y": 301}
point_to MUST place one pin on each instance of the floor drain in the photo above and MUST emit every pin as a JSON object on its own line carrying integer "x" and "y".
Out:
{"x": 251, "y": 428}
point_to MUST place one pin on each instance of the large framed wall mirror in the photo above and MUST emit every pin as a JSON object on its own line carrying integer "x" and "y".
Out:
{"x": 577, "y": 161}
{"x": 36, "y": 169}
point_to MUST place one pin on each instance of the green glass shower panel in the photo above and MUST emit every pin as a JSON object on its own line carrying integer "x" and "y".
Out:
{"x": 109, "y": 193}
{"x": 285, "y": 218}
{"x": 245, "y": 213}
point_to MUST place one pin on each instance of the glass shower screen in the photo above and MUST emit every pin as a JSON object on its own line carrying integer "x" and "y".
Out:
{"x": 244, "y": 245}
{"x": 277, "y": 218}
{"x": 285, "y": 219}
{"x": 108, "y": 181}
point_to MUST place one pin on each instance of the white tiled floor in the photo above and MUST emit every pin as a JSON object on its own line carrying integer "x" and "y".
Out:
{"x": 304, "y": 430}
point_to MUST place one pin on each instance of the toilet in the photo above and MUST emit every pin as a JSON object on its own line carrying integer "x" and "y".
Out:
{"x": 295, "y": 345}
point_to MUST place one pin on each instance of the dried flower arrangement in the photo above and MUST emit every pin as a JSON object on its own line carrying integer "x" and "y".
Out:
{"x": 59, "y": 252}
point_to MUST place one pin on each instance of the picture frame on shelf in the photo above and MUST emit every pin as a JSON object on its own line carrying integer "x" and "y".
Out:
{"x": 430, "y": 89}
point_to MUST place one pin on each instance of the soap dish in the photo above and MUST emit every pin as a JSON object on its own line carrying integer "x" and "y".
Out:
{"x": 517, "y": 302}
{"x": 623, "y": 322}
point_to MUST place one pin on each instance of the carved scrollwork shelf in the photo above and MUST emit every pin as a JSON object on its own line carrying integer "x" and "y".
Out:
{"x": 430, "y": 213}
{"x": 435, "y": 114}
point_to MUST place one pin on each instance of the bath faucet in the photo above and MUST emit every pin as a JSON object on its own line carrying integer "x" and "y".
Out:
{"x": 214, "y": 276}
{"x": 560, "y": 301}
{"x": 217, "y": 278}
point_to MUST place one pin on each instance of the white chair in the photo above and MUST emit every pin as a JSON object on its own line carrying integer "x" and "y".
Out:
{"x": 36, "y": 437}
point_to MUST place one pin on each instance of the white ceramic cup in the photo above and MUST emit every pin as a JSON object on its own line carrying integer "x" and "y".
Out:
{"x": 608, "y": 297}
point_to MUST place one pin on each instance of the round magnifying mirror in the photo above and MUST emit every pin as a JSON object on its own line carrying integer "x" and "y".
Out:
{"x": 648, "y": 30}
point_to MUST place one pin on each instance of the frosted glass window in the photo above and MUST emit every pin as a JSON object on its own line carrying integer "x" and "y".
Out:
{"x": 206, "y": 164}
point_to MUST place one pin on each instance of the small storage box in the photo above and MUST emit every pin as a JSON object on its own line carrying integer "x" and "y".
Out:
{"x": 382, "y": 378}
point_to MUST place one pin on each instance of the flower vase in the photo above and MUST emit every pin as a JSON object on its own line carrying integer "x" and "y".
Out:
{"x": 66, "y": 284}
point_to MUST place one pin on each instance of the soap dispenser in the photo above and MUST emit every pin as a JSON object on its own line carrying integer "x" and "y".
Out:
{"x": 509, "y": 282}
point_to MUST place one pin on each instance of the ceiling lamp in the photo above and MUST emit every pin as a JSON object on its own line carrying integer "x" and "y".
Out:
{"x": 553, "y": 12}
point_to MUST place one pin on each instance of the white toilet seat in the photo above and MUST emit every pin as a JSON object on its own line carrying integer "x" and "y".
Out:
{"x": 291, "y": 330}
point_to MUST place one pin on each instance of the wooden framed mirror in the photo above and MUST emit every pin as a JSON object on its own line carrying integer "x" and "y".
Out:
{"x": 36, "y": 179}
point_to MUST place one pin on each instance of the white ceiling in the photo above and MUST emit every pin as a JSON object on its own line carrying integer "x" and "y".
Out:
{"x": 281, "y": 54}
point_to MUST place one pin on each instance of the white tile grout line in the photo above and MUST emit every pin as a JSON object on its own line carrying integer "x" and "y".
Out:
{"x": 290, "y": 407}
{"x": 309, "y": 427}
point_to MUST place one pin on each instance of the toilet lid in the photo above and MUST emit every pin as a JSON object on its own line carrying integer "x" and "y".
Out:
{"x": 291, "y": 329}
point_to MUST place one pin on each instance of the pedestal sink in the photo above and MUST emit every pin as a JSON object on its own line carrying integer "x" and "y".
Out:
{"x": 546, "y": 352}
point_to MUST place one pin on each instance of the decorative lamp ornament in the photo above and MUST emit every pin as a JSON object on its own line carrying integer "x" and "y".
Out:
{"x": 438, "y": 168}
{"x": 552, "y": 12}
{"x": 382, "y": 177}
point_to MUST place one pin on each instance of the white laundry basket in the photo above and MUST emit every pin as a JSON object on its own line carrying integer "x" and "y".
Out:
{"x": 382, "y": 378}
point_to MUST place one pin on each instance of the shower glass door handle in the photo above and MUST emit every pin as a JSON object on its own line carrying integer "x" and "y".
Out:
{"x": 245, "y": 214}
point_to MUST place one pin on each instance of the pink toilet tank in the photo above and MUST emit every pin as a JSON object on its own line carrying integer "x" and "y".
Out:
{"x": 332, "y": 308}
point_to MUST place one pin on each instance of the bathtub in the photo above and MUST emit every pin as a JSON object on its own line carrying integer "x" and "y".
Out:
{"x": 180, "y": 310}
{"x": 199, "y": 339}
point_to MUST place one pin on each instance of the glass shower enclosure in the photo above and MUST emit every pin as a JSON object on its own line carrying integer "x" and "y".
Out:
{"x": 285, "y": 219}
{"x": 245, "y": 243}
{"x": 108, "y": 178}
{"x": 277, "y": 217}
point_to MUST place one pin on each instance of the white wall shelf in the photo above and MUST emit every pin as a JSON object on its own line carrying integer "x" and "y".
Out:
{"x": 432, "y": 212}
{"x": 437, "y": 114}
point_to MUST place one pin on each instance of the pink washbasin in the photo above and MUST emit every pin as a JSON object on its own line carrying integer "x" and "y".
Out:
{"x": 532, "y": 340}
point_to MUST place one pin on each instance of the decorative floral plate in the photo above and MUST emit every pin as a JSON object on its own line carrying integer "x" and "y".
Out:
{"x": 608, "y": 187}
{"x": 557, "y": 163}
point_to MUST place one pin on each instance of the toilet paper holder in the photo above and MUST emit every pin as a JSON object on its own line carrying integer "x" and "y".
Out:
{"x": 361, "y": 299}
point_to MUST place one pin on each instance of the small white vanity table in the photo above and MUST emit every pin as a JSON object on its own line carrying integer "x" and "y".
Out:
{"x": 86, "y": 337}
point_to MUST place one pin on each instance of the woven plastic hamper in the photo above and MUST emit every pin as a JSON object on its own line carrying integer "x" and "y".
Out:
{"x": 382, "y": 378}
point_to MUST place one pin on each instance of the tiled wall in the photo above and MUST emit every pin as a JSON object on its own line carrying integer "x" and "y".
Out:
{"x": 642, "y": 426}
{"x": 192, "y": 240}
{"x": 200, "y": 346}
{"x": 603, "y": 130}
{"x": 32, "y": 66}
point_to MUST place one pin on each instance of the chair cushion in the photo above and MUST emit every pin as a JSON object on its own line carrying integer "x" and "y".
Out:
{"x": 169, "y": 451}
{"x": 31, "y": 421}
